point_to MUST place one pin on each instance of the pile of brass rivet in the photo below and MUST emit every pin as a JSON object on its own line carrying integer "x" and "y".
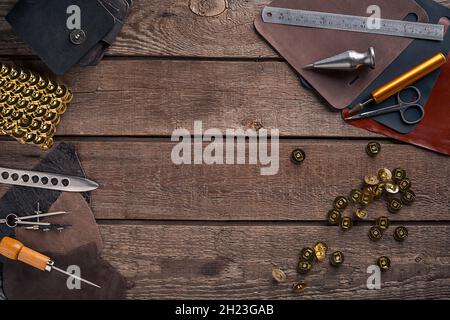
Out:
{"x": 30, "y": 105}
{"x": 394, "y": 187}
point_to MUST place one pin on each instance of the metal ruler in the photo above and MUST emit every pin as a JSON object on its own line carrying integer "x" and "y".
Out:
{"x": 324, "y": 20}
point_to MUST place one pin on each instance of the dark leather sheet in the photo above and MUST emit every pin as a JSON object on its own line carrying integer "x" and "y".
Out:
{"x": 22, "y": 282}
{"x": 433, "y": 132}
{"x": 418, "y": 51}
{"x": 301, "y": 46}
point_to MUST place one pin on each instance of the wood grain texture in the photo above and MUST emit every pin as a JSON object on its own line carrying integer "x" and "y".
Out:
{"x": 145, "y": 97}
{"x": 154, "y": 97}
{"x": 235, "y": 262}
{"x": 171, "y": 28}
{"x": 138, "y": 181}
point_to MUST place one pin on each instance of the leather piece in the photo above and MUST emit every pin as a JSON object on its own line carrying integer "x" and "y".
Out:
{"x": 22, "y": 282}
{"x": 301, "y": 46}
{"x": 43, "y": 25}
{"x": 22, "y": 200}
{"x": 2, "y": 294}
{"x": 433, "y": 132}
{"x": 119, "y": 9}
{"x": 84, "y": 228}
{"x": 418, "y": 51}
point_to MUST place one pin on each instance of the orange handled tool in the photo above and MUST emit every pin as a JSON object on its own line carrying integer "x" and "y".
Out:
{"x": 15, "y": 250}
{"x": 403, "y": 81}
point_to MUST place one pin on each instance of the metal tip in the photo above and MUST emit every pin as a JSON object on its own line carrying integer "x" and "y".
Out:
{"x": 309, "y": 66}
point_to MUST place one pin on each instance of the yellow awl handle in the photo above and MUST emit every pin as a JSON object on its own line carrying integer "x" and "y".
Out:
{"x": 403, "y": 81}
{"x": 15, "y": 250}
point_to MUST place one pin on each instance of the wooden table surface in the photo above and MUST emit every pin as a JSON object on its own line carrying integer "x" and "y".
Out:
{"x": 203, "y": 231}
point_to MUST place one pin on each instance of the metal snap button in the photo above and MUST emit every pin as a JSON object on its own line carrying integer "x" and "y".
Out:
{"x": 77, "y": 36}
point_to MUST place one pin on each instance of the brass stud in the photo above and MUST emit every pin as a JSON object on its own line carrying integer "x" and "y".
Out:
{"x": 391, "y": 188}
{"x": 404, "y": 184}
{"x": 400, "y": 234}
{"x": 346, "y": 223}
{"x": 278, "y": 275}
{"x": 384, "y": 174}
{"x": 298, "y": 156}
{"x": 337, "y": 258}
{"x": 383, "y": 223}
{"x": 356, "y": 196}
{"x": 399, "y": 174}
{"x": 371, "y": 180}
{"x": 320, "y": 251}
{"x": 334, "y": 217}
{"x": 304, "y": 267}
{"x": 375, "y": 233}
{"x": 361, "y": 214}
{"x": 298, "y": 287}
{"x": 373, "y": 148}
{"x": 384, "y": 263}
{"x": 340, "y": 203}
{"x": 307, "y": 254}
{"x": 408, "y": 197}
{"x": 394, "y": 205}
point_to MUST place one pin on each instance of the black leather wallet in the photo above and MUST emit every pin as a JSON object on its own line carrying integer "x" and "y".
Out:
{"x": 43, "y": 24}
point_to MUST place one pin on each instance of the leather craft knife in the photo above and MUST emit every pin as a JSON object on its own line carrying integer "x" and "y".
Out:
{"x": 46, "y": 180}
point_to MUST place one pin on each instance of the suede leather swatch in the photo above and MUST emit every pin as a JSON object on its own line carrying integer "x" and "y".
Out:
{"x": 23, "y": 200}
{"x": 84, "y": 228}
{"x": 301, "y": 46}
{"x": 22, "y": 282}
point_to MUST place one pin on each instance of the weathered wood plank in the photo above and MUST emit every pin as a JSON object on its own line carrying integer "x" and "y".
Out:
{"x": 235, "y": 262}
{"x": 139, "y": 181}
{"x": 171, "y": 28}
{"x": 153, "y": 97}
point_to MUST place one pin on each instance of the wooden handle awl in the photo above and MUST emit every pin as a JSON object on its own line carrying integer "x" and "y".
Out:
{"x": 15, "y": 250}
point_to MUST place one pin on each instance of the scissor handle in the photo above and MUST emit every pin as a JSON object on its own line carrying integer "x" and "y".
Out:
{"x": 406, "y": 108}
{"x": 410, "y": 88}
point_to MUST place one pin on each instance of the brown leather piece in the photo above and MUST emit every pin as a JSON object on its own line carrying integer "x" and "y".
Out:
{"x": 84, "y": 228}
{"x": 22, "y": 282}
{"x": 433, "y": 132}
{"x": 301, "y": 46}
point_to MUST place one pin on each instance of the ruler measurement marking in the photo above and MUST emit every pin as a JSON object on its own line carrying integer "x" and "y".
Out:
{"x": 341, "y": 22}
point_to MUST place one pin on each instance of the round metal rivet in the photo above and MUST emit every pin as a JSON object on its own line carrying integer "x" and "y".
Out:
{"x": 298, "y": 156}
{"x": 340, "y": 203}
{"x": 307, "y": 254}
{"x": 383, "y": 223}
{"x": 375, "y": 233}
{"x": 373, "y": 148}
{"x": 384, "y": 263}
{"x": 337, "y": 258}
{"x": 400, "y": 234}
{"x": 304, "y": 267}
{"x": 346, "y": 223}
{"x": 77, "y": 36}
{"x": 320, "y": 250}
{"x": 278, "y": 275}
{"x": 394, "y": 205}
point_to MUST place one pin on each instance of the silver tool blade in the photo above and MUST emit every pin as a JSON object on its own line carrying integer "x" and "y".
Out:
{"x": 42, "y": 215}
{"x": 46, "y": 180}
{"x": 75, "y": 277}
{"x": 325, "y": 20}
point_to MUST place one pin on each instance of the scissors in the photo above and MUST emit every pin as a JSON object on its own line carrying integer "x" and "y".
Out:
{"x": 402, "y": 106}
